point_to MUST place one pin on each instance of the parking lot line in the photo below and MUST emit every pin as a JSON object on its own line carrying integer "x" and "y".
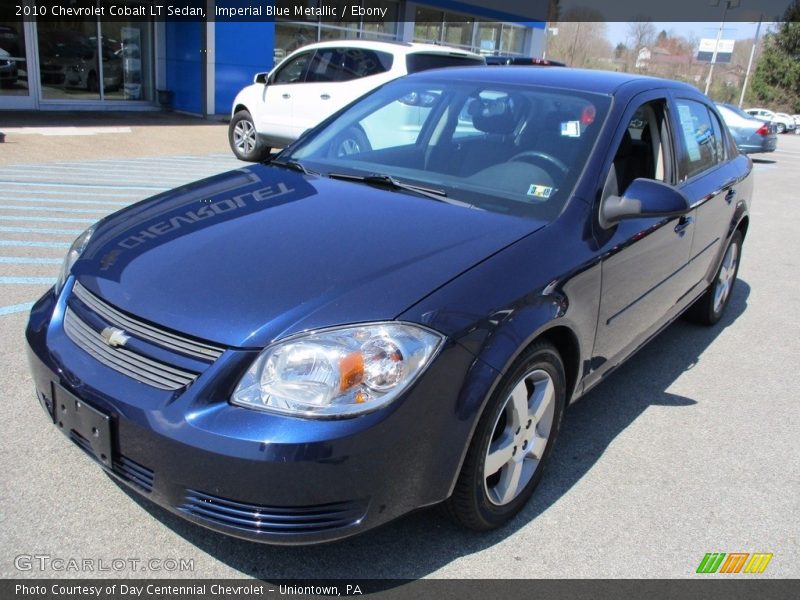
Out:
{"x": 15, "y": 308}
{"x": 45, "y": 219}
{"x": 53, "y": 230}
{"x": 27, "y": 280}
{"x": 46, "y": 209}
{"x": 77, "y": 194}
{"x": 27, "y": 260}
{"x": 32, "y": 244}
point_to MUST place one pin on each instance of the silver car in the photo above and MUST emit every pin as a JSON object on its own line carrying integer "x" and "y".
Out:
{"x": 751, "y": 135}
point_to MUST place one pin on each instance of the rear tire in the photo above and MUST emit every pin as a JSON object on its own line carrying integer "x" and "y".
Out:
{"x": 512, "y": 442}
{"x": 243, "y": 138}
{"x": 710, "y": 307}
{"x": 780, "y": 127}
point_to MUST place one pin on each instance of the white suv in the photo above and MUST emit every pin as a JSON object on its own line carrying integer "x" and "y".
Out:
{"x": 317, "y": 80}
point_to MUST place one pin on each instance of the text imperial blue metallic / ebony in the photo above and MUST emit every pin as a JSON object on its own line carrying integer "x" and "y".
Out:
{"x": 304, "y": 349}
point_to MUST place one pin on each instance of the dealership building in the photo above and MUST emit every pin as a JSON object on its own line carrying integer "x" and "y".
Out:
{"x": 198, "y": 66}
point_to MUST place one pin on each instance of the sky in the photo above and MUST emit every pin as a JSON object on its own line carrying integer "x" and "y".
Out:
{"x": 618, "y": 32}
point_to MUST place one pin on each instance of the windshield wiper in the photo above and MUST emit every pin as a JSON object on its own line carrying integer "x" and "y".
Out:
{"x": 293, "y": 165}
{"x": 389, "y": 182}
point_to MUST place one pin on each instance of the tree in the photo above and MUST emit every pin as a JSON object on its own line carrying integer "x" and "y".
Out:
{"x": 776, "y": 81}
{"x": 581, "y": 40}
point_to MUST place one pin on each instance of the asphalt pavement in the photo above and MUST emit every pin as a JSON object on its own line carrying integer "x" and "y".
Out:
{"x": 692, "y": 447}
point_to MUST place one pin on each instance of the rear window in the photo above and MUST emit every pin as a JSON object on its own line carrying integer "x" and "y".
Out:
{"x": 422, "y": 62}
{"x": 345, "y": 64}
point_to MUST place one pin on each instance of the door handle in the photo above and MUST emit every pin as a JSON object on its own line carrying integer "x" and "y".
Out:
{"x": 325, "y": 96}
{"x": 730, "y": 195}
{"x": 683, "y": 223}
{"x": 286, "y": 96}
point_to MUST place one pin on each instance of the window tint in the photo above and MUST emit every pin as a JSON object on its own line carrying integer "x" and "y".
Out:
{"x": 700, "y": 140}
{"x": 345, "y": 64}
{"x": 294, "y": 70}
{"x": 423, "y": 62}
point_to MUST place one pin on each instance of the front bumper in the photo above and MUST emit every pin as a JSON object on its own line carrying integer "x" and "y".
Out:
{"x": 255, "y": 475}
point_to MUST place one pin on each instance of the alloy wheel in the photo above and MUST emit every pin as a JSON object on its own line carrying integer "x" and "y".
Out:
{"x": 725, "y": 278}
{"x": 519, "y": 437}
{"x": 244, "y": 136}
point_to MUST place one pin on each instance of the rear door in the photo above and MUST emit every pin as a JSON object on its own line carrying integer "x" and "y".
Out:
{"x": 709, "y": 180}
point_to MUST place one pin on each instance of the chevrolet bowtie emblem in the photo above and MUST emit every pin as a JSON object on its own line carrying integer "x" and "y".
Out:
{"x": 114, "y": 337}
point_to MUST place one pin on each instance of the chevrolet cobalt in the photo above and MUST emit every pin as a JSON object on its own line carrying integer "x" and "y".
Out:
{"x": 307, "y": 348}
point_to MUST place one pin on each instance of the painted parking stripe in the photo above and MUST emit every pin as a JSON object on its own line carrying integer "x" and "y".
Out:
{"x": 4, "y": 229}
{"x": 27, "y": 280}
{"x": 60, "y": 209}
{"x": 114, "y": 194}
{"x": 84, "y": 185}
{"x": 15, "y": 308}
{"x": 32, "y": 244}
{"x": 60, "y": 201}
{"x": 45, "y": 219}
{"x": 26, "y": 260}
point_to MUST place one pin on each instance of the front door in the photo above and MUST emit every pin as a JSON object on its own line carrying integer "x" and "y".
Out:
{"x": 644, "y": 272}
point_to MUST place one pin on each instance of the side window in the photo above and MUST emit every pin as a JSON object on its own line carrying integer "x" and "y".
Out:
{"x": 699, "y": 139}
{"x": 719, "y": 138}
{"x": 400, "y": 123}
{"x": 326, "y": 65}
{"x": 346, "y": 64}
{"x": 643, "y": 151}
{"x": 293, "y": 71}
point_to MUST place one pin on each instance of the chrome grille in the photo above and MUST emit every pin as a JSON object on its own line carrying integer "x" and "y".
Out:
{"x": 165, "y": 339}
{"x": 271, "y": 519}
{"x": 132, "y": 364}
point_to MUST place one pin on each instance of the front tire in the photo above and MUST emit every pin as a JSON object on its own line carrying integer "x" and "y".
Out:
{"x": 781, "y": 128}
{"x": 512, "y": 442}
{"x": 710, "y": 307}
{"x": 243, "y": 138}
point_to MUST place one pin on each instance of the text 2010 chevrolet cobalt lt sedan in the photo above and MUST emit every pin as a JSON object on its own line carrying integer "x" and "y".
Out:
{"x": 301, "y": 350}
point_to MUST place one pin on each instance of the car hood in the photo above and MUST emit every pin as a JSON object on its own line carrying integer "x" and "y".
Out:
{"x": 258, "y": 253}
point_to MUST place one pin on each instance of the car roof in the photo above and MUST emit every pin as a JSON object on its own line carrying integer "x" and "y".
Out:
{"x": 395, "y": 47}
{"x": 601, "y": 82}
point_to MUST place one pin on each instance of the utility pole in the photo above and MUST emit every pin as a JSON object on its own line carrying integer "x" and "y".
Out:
{"x": 750, "y": 62}
{"x": 728, "y": 4}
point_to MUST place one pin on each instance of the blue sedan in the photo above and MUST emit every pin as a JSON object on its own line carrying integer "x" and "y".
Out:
{"x": 301, "y": 350}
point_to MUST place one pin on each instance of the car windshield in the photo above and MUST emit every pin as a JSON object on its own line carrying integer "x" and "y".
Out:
{"x": 504, "y": 148}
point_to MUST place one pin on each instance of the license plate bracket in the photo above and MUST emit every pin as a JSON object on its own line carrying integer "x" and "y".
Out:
{"x": 84, "y": 424}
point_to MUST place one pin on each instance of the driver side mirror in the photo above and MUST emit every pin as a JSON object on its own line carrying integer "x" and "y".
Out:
{"x": 261, "y": 78}
{"x": 644, "y": 198}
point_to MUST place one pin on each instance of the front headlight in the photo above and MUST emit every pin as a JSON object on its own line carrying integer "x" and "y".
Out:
{"x": 74, "y": 253}
{"x": 338, "y": 372}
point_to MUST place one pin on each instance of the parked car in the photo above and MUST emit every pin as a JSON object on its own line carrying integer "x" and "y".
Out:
{"x": 789, "y": 119}
{"x": 70, "y": 60}
{"x": 315, "y": 81}
{"x": 782, "y": 124}
{"x": 750, "y": 134}
{"x": 301, "y": 350}
{"x": 504, "y": 59}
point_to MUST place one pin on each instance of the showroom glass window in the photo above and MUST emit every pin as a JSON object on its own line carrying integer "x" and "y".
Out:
{"x": 95, "y": 60}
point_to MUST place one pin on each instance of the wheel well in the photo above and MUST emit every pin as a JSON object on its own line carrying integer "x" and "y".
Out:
{"x": 239, "y": 107}
{"x": 567, "y": 345}
{"x": 743, "y": 225}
